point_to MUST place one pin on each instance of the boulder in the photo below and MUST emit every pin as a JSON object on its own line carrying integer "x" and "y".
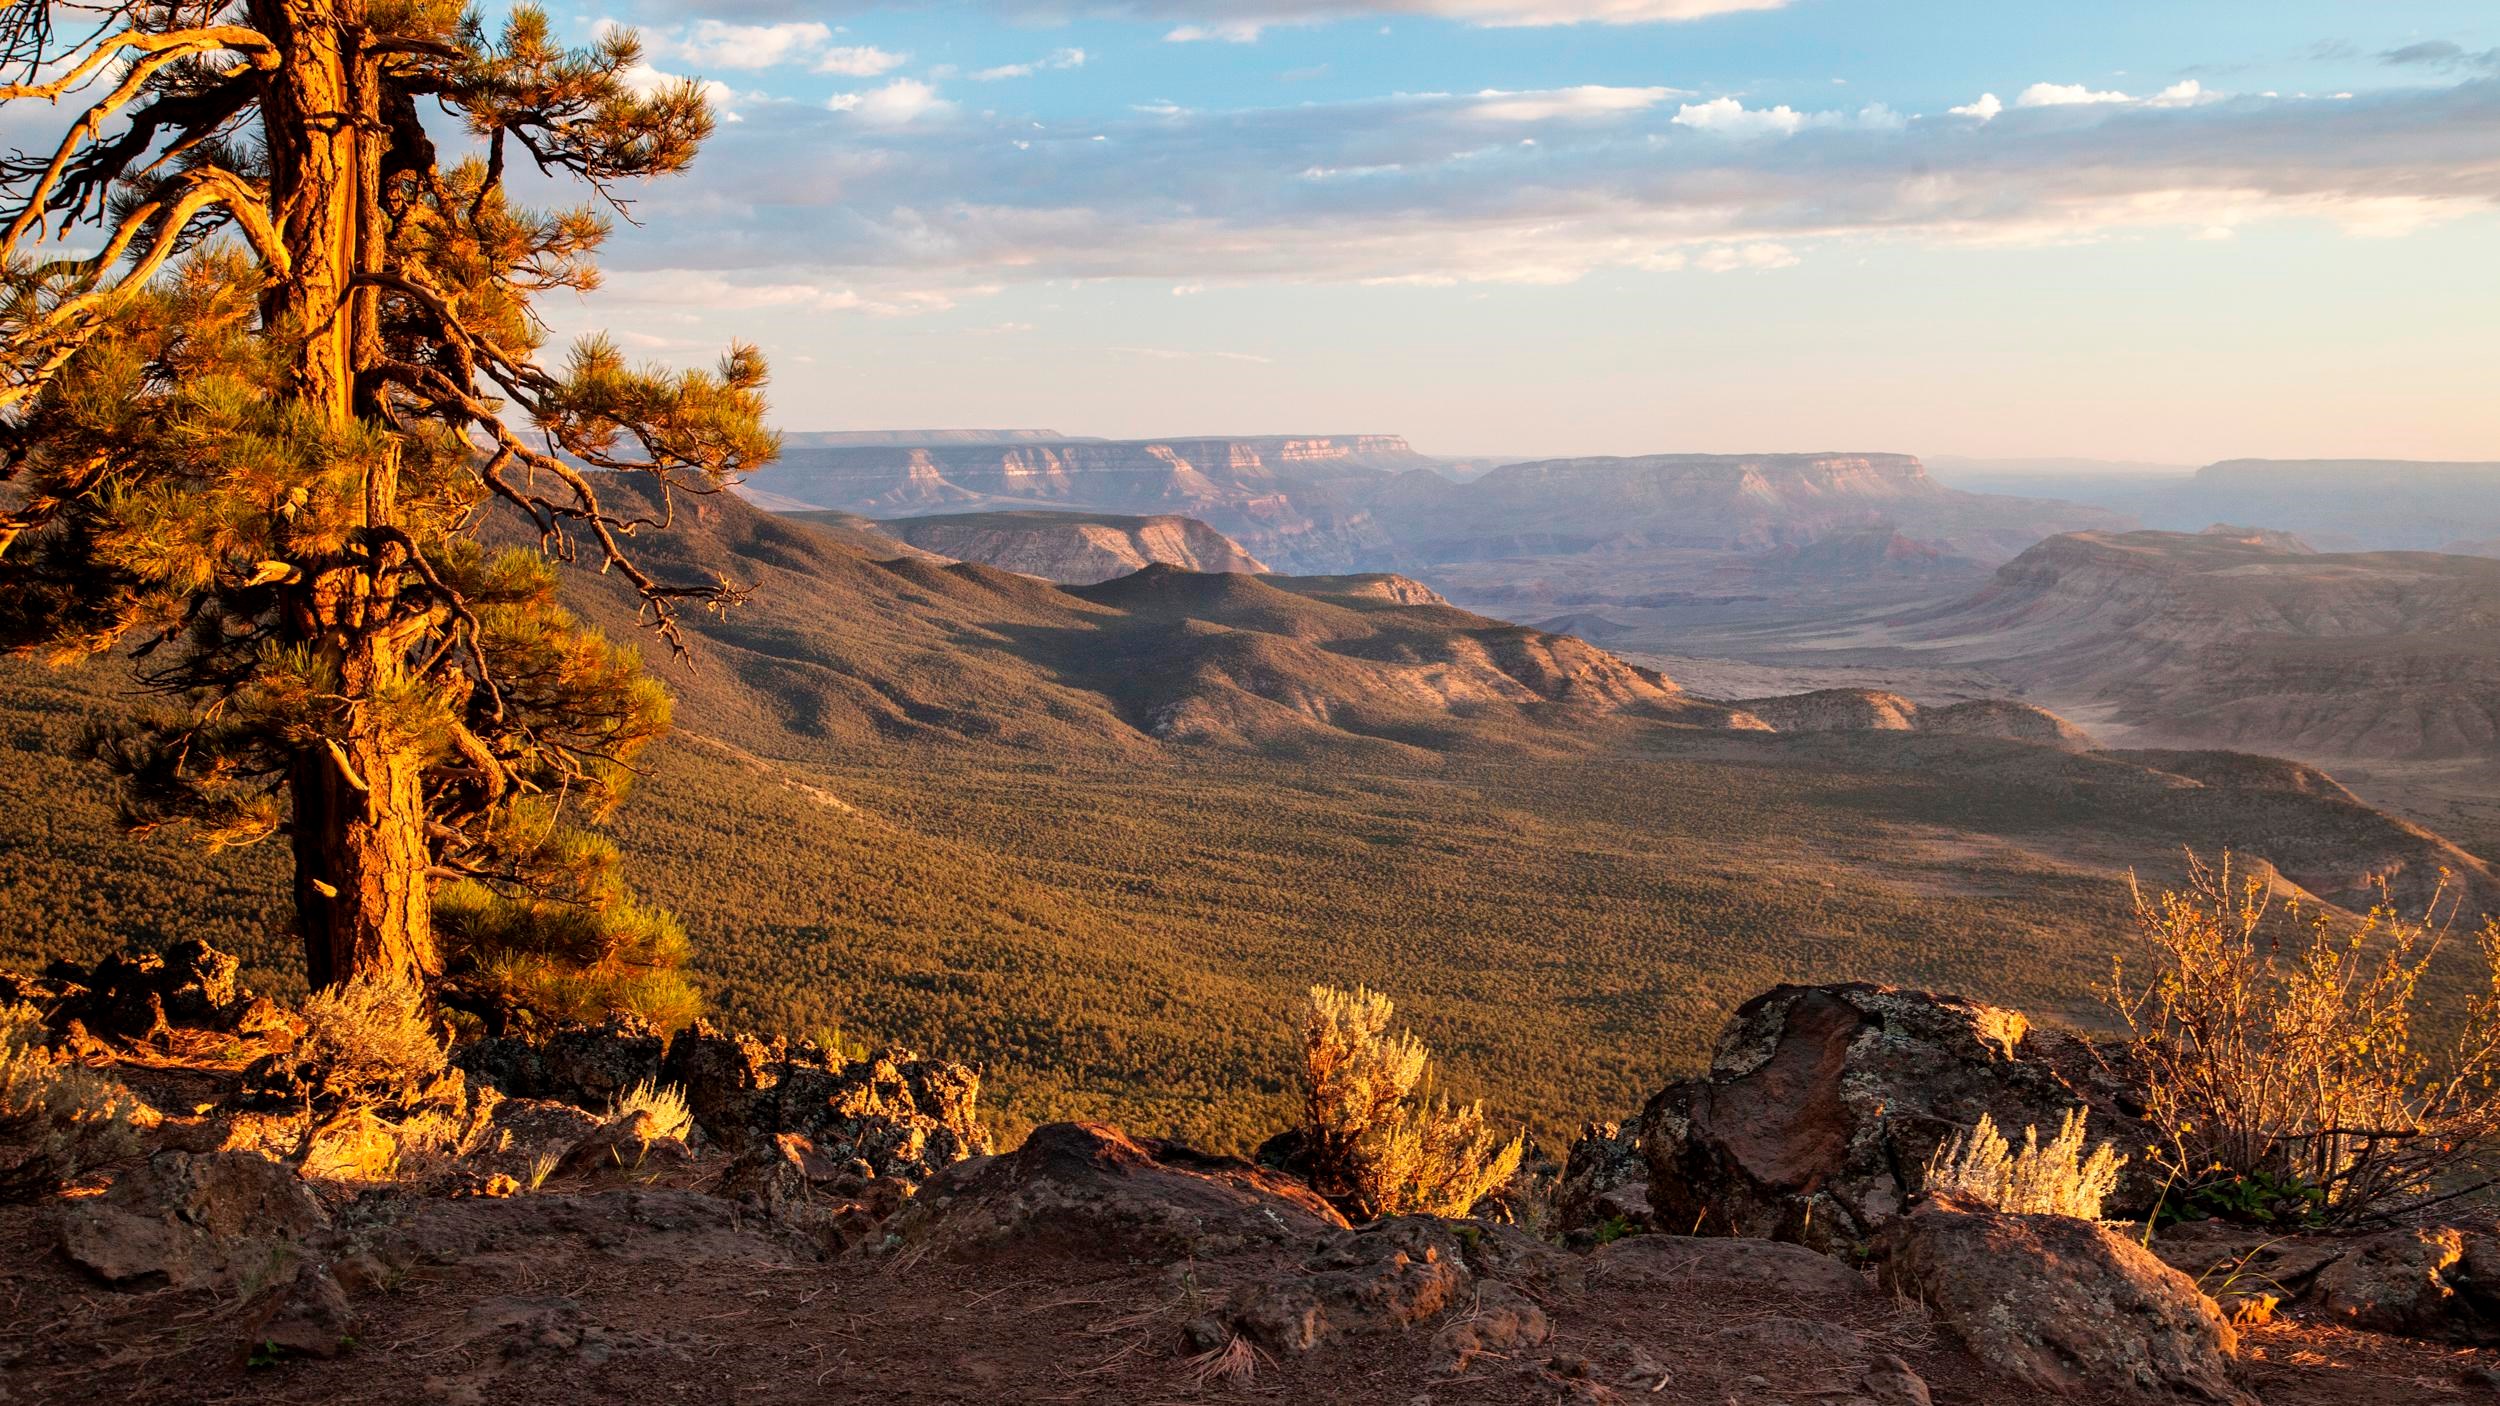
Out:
{"x": 1823, "y": 1105}
{"x": 1095, "y": 1192}
{"x": 1390, "y": 1276}
{"x": 222, "y": 1219}
{"x": 1604, "y": 1188}
{"x": 897, "y": 1114}
{"x": 2061, "y": 1305}
{"x": 633, "y": 1145}
{"x": 306, "y": 1314}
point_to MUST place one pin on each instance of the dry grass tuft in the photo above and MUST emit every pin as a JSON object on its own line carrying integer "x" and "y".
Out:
{"x": 666, "y": 1103}
{"x": 1236, "y": 1363}
{"x": 2057, "y": 1180}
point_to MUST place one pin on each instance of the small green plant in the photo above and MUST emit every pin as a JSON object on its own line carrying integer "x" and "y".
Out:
{"x": 1371, "y": 1142}
{"x": 69, "y": 1119}
{"x": 1611, "y": 1229}
{"x": 2060, "y": 1179}
{"x": 264, "y": 1354}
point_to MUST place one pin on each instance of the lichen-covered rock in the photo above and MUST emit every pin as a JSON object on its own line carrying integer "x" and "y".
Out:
{"x": 1096, "y": 1192}
{"x": 898, "y": 1114}
{"x": 139, "y": 995}
{"x": 2413, "y": 1281}
{"x": 1604, "y": 1186}
{"x": 1823, "y": 1105}
{"x": 633, "y": 1145}
{"x": 723, "y": 1076}
{"x": 2061, "y": 1305}
{"x": 221, "y": 1219}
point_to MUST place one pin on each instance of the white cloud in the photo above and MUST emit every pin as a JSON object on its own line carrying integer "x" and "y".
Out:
{"x": 1986, "y": 109}
{"x": 1058, "y": 58}
{"x": 1587, "y": 100}
{"x": 901, "y": 101}
{"x": 859, "y": 61}
{"x": 2066, "y": 95}
{"x": 643, "y": 80}
{"x": 716, "y": 44}
{"x": 1230, "y": 32}
{"x": 1729, "y": 117}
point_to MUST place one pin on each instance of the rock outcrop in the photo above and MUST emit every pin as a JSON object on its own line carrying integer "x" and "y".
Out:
{"x": 1823, "y": 1105}
{"x": 2062, "y": 1305}
{"x": 185, "y": 1220}
{"x": 893, "y": 1114}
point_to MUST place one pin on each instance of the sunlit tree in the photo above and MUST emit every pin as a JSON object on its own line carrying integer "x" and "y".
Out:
{"x": 268, "y": 368}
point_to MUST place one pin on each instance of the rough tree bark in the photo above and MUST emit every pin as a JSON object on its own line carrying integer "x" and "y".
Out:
{"x": 361, "y": 889}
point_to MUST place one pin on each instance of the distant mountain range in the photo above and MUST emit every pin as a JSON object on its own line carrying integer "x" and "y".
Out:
{"x": 1371, "y": 502}
{"x": 2335, "y": 504}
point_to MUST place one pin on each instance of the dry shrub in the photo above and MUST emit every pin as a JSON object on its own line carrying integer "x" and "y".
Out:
{"x": 2280, "y": 1052}
{"x": 56, "y": 1120}
{"x": 367, "y": 1035}
{"x": 1368, "y": 1139}
{"x": 2057, "y": 1180}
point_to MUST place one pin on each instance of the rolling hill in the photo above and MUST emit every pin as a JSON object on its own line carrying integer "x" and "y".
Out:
{"x": 1099, "y": 837}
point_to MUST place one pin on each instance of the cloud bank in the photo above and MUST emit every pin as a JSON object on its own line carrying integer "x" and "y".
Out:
{"x": 900, "y": 200}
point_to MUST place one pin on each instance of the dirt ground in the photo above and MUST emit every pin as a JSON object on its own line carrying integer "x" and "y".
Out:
{"x": 644, "y": 1295}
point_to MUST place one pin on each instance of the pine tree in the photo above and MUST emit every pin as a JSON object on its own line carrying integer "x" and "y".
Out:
{"x": 267, "y": 369}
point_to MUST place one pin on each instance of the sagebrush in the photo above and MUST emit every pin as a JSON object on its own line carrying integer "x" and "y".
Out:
{"x": 2060, "y": 1179}
{"x": 369, "y": 1035}
{"x": 1369, "y": 1140}
{"x": 2284, "y": 1064}
{"x": 56, "y": 1120}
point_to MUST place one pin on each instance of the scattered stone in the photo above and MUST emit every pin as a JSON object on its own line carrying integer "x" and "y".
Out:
{"x": 2061, "y": 1305}
{"x": 1390, "y": 1275}
{"x": 308, "y": 1315}
{"x": 1823, "y": 1105}
{"x": 1099, "y": 1193}
{"x": 219, "y": 1219}
{"x": 1890, "y": 1382}
{"x": 1499, "y": 1321}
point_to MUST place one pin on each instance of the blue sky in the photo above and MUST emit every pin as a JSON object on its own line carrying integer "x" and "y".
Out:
{"x": 2175, "y": 231}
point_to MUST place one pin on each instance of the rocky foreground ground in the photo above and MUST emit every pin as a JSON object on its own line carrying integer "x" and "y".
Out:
{"x": 832, "y": 1230}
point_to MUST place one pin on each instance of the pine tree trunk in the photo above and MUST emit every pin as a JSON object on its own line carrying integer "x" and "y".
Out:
{"x": 362, "y": 900}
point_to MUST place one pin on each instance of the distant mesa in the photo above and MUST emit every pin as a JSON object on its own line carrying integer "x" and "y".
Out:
{"x": 1071, "y": 548}
{"x": 1875, "y": 710}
